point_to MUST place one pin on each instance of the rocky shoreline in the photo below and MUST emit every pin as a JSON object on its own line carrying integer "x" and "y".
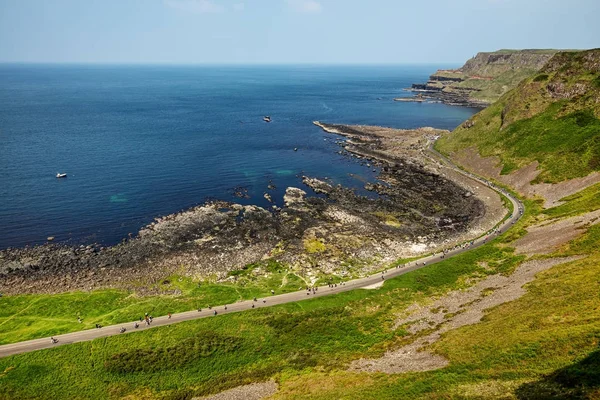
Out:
{"x": 414, "y": 209}
{"x": 456, "y": 97}
{"x": 443, "y": 86}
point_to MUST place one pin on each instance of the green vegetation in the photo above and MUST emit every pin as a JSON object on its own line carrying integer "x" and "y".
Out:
{"x": 488, "y": 76}
{"x": 585, "y": 201}
{"x": 388, "y": 218}
{"x": 489, "y": 90}
{"x": 32, "y": 316}
{"x": 205, "y": 356}
{"x": 544, "y": 344}
{"x": 552, "y": 118}
{"x": 530, "y": 51}
{"x": 314, "y": 245}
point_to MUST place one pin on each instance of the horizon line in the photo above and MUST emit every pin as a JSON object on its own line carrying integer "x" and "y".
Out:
{"x": 226, "y": 64}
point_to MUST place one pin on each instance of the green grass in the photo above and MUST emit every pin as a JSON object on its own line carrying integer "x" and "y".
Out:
{"x": 209, "y": 355}
{"x": 26, "y": 317}
{"x": 529, "y": 123}
{"x": 549, "y": 328}
{"x": 388, "y": 219}
{"x": 566, "y": 147}
{"x": 492, "y": 90}
{"x": 546, "y": 342}
{"x": 541, "y": 346}
{"x": 545, "y": 338}
{"x": 584, "y": 201}
{"x": 585, "y": 244}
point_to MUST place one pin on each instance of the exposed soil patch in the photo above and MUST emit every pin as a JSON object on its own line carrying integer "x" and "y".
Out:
{"x": 374, "y": 286}
{"x": 409, "y": 358}
{"x": 255, "y": 391}
{"x": 548, "y": 236}
{"x": 522, "y": 178}
{"x": 454, "y": 310}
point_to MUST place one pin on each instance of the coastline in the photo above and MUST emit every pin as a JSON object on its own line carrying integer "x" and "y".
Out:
{"x": 415, "y": 149}
{"x": 368, "y": 282}
{"x": 418, "y": 210}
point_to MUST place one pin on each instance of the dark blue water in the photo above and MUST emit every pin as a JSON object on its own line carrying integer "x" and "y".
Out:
{"x": 142, "y": 141}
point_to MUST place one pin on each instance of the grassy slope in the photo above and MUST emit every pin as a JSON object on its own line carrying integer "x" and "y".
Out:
{"x": 32, "y": 316}
{"x": 25, "y": 317}
{"x": 529, "y": 124}
{"x": 505, "y": 74}
{"x": 208, "y": 355}
{"x": 490, "y": 91}
{"x": 536, "y": 344}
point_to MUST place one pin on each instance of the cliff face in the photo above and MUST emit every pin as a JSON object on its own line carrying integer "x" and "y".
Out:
{"x": 484, "y": 78}
{"x": 496, "y": 63}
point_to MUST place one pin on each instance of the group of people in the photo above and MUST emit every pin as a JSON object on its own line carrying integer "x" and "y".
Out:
{"x": 312, "y": 289}
{"x": 147, "y": 319}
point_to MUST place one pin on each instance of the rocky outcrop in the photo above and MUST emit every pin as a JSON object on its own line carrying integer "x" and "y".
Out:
{"x": 409, "y": 210}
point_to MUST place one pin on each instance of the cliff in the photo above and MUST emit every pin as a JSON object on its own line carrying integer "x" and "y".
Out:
{"x": 551, "y": 118}
{"x": 484, "y": 78}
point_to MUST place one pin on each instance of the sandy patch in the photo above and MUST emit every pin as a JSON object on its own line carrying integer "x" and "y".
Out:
{"x": 255, "y": 391}
{"x": 490, "y": 389}
{"x": 521, "y": 179}
{"x": 454, "y": 310}
{"x": 373, "y": 286}
{"x": 546, "y": 237}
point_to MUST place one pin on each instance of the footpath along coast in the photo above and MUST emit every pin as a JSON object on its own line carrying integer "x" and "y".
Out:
{"x": 366, "y": 282}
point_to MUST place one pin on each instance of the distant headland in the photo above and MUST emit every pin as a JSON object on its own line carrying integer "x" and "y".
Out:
{"x": 482, "y": 80}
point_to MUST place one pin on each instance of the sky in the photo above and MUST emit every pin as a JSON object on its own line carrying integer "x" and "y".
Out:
{"x": 288, "y": 31}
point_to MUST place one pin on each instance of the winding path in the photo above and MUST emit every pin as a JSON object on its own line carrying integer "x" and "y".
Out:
{"x": 369, "y": 281}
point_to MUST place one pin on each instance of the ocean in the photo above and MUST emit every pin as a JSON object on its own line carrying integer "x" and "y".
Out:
{"x": 138, "y": 142}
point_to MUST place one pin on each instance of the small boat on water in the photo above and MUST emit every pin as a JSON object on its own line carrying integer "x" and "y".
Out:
{"x": 267, "y": 119}
{"x": 59, "y": 175}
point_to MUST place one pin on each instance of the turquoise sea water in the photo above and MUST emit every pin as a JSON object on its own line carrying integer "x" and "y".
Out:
{"x": 138, "y": 142}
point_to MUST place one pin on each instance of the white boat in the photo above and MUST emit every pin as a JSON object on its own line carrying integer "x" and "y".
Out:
{"x": 59, "y": 175}
{"x": 267, "y": 119}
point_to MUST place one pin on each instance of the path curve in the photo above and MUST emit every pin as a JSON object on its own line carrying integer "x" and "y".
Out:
{"x": 91, "y": 334}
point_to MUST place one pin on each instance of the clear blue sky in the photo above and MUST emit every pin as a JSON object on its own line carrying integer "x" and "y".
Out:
{"x": 288, "y": 31}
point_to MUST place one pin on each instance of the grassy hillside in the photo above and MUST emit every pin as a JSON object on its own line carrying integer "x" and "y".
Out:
{"x": 544, "y": 345}
{"x": 552, "y": 118}
{"x": 506, "y": 68}
{"x": 25, "y": 317}
{"x": 486, "y": 77}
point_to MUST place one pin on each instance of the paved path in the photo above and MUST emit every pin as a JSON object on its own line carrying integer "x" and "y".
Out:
{"x": 91, "y": 334}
